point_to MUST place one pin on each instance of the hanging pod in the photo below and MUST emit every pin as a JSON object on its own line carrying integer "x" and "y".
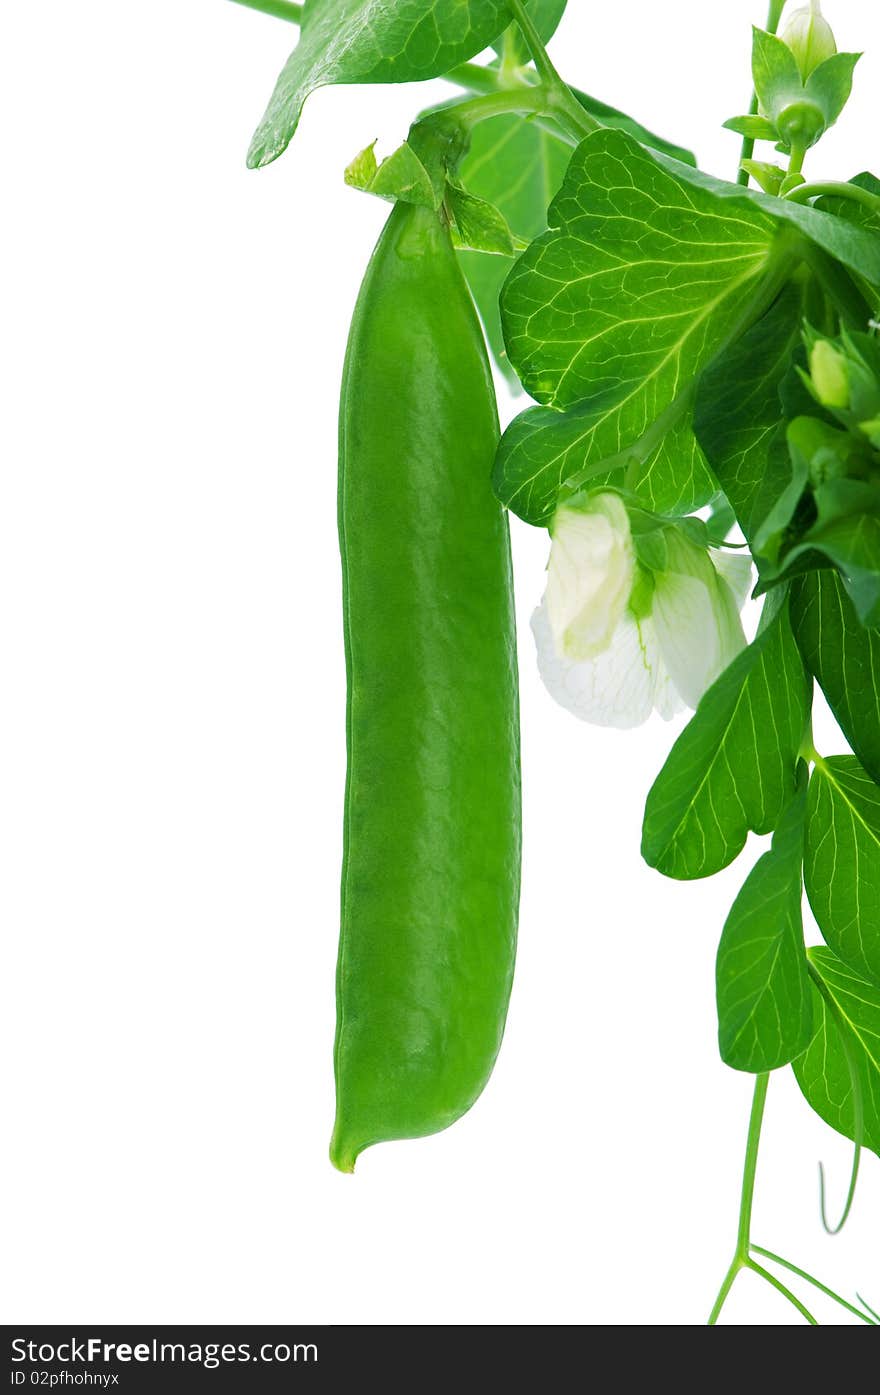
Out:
{"x": 431, "y": 862}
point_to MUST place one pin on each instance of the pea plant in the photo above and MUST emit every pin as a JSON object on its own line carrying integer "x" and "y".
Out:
{"x": 703, "y": 363}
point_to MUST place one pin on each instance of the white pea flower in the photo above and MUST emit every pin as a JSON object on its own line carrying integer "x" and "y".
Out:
{"x": 617, "y": 638}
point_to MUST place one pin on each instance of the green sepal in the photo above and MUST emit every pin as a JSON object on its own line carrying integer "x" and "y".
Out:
{"x": 478, "y": 225}
{"x": 402, "y": 176}
{"x": 775, "y": 72}
{"x": 830, "y": 85}
{"x": 753, "y": 128}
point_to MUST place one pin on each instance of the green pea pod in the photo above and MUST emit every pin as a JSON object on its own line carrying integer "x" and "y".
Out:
{"x": 430, "y": 880}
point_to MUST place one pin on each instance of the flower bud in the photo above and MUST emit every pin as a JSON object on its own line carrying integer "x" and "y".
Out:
{"x": 810, "y": 38}
{"x": 830, "y": 374}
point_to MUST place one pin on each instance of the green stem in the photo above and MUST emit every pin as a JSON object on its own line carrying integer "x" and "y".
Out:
{"x": 280, "y": 9}
{"x": 780, "y": 1287}
{"x": 823, "y": 1288}
{"x": 475, "y": 78}
{"x": 563, "y": 103}
{"x": 748, "y": 146}
{"x": 527, "y": 101}
{"x": 796, "y": 159}
{"x": 804, "y": 192}
{"x": 858, "y": 1105}
{"x": 869, "y": 1308}
{"x": 741, "y": 1255}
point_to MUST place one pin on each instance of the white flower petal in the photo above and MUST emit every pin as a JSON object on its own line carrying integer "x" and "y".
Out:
{"x": 736, "y": 569}
{"x": 616, "y": 688}
{"x": 696, "y": 613}
{"x": 731, "y": 635}
{"x": 687, "y": 632}
{"x": 589, "y": 575}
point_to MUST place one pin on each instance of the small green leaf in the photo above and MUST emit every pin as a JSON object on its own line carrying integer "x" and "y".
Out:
{"x": 478, "y": 224}
{"x": 370, "y": 41}
{"x": 765, "y": 1014}
{"x": 822, "y": 1071}
{"x": 842, "y": 861}
{"x": 845, "y": 659}
{"x": 830, "y": 85}
{"x": 754, "y": 127}
{"x": 734, "y": 766}
{"x": 628, "y": 243}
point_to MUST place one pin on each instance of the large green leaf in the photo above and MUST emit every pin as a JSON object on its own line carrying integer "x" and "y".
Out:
{"x": 856, "y": 247}
{"x": 823, "y": 1072}
{"x": 738, "y": 416}
{"x": 629, "y": 245}
{"x": 676, "y": 478}
{"x": 842, "y": 861}
{"x": 734, "y": 766}
{"x": 765, "y": 1015}
{"x": 354, "y": 41}
{"x": 844, "y": 657}
{"x": 519, "y": 166}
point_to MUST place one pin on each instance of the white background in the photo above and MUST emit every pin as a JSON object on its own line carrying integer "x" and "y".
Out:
{"x": 173, "y": 750}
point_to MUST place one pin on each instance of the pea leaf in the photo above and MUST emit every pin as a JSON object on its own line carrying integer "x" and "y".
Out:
{"x": 519, "y": 166}
{"x": 845, "y": 241}
{"x": 354, "y": 41}
{"x": 765, "y": 1015}
{"x": 628, "y": 244}
{"x": 845, "y": 659}
{"x": 738, "y": 414}
{"x": 676, "y": 478}
{"x": 734, "y": 766}
{"x": 822, "y": 1071}
{"x": 842, "y": 861}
